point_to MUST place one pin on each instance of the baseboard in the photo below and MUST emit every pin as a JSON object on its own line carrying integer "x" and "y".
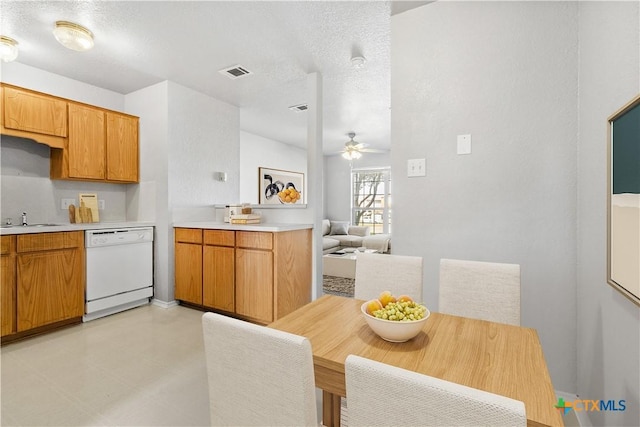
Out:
{"x": 164, "y": 304}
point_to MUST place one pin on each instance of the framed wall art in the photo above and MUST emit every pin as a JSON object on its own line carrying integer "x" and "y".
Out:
{"x": 280, "y": 187}
{"x": 623, "y": 200}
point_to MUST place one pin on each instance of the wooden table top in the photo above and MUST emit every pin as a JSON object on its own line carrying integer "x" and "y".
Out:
{"x": 495, "y": 357}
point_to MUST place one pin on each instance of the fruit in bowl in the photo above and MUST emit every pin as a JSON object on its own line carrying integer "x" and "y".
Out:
{"x": 289, "y": 195}
{"x": 395, "y": 319}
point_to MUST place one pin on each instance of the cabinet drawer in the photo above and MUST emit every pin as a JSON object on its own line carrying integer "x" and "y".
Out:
{"x": 220, "y": 237}
{"x": 50, "y": 241}
{"x": 254, "y": 240}
{"x": 188, "y": 235}
{"x": 8, "y": 244}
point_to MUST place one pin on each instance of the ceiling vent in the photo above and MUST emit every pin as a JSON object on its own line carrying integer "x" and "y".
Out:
{"x": 301, "y": 107}
{"x": 235, "y": 72}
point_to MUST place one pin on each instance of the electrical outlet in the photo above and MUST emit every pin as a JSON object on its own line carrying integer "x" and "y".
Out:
{"x": 101, "y": 205}
{"x": 65, "y": 203}
{"x": 416, "y": 167}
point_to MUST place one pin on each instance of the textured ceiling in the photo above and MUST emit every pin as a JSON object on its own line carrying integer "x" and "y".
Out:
{"x": 140, "y": 43}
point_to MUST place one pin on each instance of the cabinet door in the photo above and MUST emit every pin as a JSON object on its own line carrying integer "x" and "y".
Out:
{"x": 218, "y": 277}
{"x": 50, "y": 287}
{"x": 8, "y": 286}
{"x": 33, "y": 112}
{"x": 122, "y": 148}
{"x": 254, "y": 284}
{"x": 86, "y": 142}
{"x": 188, "y": 266}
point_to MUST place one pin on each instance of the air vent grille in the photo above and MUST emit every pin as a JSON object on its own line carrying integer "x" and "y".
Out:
{"x": 235, "y": 72}
{"x": 300, "y": 107}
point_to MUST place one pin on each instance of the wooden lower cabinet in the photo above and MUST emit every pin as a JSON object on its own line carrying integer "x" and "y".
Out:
{"x": 256, "y": 275}
{"x": 254, "y": 284}
{"x": 50, "y": 278}
{"x": 218, "y": 278}
{"x": 8, "y": 286}
{"x": 47, "y": 273}
{"x": 188, "y": 265}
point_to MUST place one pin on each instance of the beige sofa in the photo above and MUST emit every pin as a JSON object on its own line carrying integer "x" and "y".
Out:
{"x": 339, "y": 234}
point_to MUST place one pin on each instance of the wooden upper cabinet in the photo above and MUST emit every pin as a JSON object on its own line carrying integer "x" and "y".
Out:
{"x": 33, "y": 112}
{"x": 122, "y": 147}
{"x": 86, "y": 147}
{"x": 88, "y": 142}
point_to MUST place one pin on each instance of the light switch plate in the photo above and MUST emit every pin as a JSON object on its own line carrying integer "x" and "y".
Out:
{"x": 416, "y": 167}
{"x": 464, "y": 144}
{"x": 101, "y": 204}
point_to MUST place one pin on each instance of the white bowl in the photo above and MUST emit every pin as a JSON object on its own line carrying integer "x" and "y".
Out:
{"x": 394, "y": 331}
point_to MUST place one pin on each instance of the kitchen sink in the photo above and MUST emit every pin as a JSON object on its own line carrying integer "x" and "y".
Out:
{"x": 30, "y": 225}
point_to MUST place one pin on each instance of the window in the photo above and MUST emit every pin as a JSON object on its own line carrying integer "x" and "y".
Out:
{"x": 371, "y": 199}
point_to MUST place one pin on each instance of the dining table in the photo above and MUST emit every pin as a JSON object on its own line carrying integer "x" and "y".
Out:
{"x": 503, "y": 359}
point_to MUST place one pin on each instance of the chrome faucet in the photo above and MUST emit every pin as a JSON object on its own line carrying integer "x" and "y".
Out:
{"x": 24, "y": 218}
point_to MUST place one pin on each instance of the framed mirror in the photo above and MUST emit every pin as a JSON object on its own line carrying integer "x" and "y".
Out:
{"x": 623, "y": 200}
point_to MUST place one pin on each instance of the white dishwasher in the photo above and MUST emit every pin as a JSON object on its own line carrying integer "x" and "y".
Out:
{"x": 119, "y": 270}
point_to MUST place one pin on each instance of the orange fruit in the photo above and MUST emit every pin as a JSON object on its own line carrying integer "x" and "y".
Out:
{"x": 405, "y": 298}
{"x": 373, "y": 305}
{"x": 386, "y": 297}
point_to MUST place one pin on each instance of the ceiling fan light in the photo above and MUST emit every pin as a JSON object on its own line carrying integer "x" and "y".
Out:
{"x": 8, "y": 49}
{"x": 352, "y": 155}
{"x": 73, "y": 36}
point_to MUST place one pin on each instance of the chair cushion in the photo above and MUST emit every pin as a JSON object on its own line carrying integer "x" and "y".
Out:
{"x": 339, "y": 227}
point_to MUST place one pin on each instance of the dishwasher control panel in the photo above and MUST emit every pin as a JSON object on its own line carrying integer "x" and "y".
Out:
{"x": 118, "y": 236}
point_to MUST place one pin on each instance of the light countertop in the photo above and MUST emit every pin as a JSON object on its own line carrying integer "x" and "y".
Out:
{"x": 272, "y": 227}
{"x": 18, "y": 229}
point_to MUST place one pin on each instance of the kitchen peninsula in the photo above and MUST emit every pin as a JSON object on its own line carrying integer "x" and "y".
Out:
{"x": 258, "y": 272}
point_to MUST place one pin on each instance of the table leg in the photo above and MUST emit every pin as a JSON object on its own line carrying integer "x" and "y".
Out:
{"x": 330, "y": 409}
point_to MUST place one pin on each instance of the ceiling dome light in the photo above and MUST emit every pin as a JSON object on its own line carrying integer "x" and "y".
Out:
{"x": 73, "y": 36}
{"x": 358, "y": 61}
{"x": 8, "y": 49}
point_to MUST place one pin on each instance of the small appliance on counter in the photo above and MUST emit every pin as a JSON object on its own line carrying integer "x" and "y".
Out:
{"x": 231, "y": 210}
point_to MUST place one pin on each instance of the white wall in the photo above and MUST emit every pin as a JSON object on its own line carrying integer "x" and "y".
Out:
{"x": 506, "y": 73}
{"x": 149, "y": 200}
{"x": 25, "y": 185}
{"x": 337, "y": 178}
{"x": 203, "y": 138}
{"x": 257, "y": 151}
{"x": 608, "y": 342}
{"x": 184, "y": 137}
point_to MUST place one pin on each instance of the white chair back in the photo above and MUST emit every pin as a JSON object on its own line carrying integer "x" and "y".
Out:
{"x": 257, "y": 376}
{"x": 481, "y": 290}
{"x": 400, "y": 274}
{"x": 383, "y": 395}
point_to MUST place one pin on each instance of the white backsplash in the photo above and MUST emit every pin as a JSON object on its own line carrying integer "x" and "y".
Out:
{"x": 25, "y": 186}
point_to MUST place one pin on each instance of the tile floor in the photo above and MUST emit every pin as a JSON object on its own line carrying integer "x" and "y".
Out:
{"x": 142, "y": 367}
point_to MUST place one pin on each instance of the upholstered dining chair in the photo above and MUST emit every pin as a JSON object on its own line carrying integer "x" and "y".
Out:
{"x": 257, "y": 376}
{"x": 400, "y": 274}
{"x": 380, "y": 395}
{"x": 482, "y": 290}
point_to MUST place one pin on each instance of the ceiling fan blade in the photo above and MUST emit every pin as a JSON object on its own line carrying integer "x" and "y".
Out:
{"x": 373, "y": 150}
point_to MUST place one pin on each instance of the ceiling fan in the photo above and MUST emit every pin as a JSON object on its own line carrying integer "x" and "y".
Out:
{"x": 353, "y": 149}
